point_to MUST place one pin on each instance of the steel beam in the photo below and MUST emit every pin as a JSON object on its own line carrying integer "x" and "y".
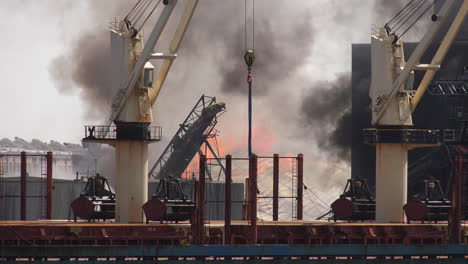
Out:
{"x": 253, "y": 198}
{"x": 300, "y": 186}
{"x": 227, "y": 201}
{"x": 275, "y": 186}
{"x": 23, "y": 187}
{"x": 50, "y": 184}
{"x": 201, "y": 201}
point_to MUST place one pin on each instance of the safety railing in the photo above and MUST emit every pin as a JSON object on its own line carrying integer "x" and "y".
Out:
{"x": 136, "y": 132}
{"x": 416, "y": 136}
{"x": 422, "y": 136}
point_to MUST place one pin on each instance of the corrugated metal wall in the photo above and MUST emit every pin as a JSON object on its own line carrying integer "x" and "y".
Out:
{"x": 66, "y": 191}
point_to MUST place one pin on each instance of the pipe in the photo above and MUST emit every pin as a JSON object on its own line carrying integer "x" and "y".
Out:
{"x": 275, "y": 186}
{"x": 201, "y": 199}
{"x": 227, "y": 201}
{"x": 23, "y": 187}
{"x": 49, "y": 158}
{"x": 300, "y": 184}
{"x": 253, "y": 197}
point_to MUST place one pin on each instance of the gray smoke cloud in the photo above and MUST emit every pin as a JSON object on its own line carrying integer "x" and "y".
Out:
{"x": 282, "y": 45}
{"x": 86, "y": 66}
{"x": 276, "y": 56}
{"x": 326, "y": 110}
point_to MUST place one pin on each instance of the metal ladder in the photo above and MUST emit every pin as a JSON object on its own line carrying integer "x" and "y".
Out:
{"x": 294, "y": 189}
{"x": 43, "y": 187}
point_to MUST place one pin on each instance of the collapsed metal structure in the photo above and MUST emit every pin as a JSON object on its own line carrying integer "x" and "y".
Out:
{"x": 195, "y": 131}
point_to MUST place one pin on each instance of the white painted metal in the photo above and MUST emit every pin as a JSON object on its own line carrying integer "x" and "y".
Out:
{"x": 380, "y": 107}
{"x": 132, "y": 103}
{"x": 164, "y": 56}
{"x": 426, "y": 67}
{"x": 387, "y": 62}
{"x": 391, "y": 182}
{"x": 120, "y": 101}
{"x": 131, "y": 187}
{"x": 391, "y": 105}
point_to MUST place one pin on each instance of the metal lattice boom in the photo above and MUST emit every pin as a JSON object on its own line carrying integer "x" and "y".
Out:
{"x": 186, "y": 143}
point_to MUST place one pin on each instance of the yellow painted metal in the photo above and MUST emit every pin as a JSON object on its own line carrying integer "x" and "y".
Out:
{"x": 173, "y": 48}
{"x": 440, "y": 54}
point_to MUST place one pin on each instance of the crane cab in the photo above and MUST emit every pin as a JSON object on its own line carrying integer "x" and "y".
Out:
{"x": 148, "y": 75}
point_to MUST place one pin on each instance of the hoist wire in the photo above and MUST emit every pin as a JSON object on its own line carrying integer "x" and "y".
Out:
{"x": 132, "y": 9}
{"x": 245, "y": 25}
{"x": 398, "y": 21}
{"x": 408, "y": 9}
{"x": 417, "y": 19}
{"x": 253, "y": 25}
{"x": 149, "y": 15}
{"x": 403, "y": 19}
{"x": 410, "y": 16}
{"x": 399, "y": 12}
{"x": 147, "y": 4}
{"x": 137, "y": 10}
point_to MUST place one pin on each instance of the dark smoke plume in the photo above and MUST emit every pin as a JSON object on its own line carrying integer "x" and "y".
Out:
{"x": 326, "y": 110}
{"x": 277, "y": 55}
{"x": 87, "y": 65}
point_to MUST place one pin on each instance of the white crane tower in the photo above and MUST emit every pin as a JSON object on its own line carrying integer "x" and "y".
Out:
{"x": 393, "y": 101}
{"x": 131, "y": 113}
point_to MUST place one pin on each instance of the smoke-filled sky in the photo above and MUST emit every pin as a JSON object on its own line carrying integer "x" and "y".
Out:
{"x": 55, "y": 77}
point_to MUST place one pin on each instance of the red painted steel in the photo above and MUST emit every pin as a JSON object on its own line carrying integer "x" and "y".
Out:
{"x": 50, "y": 185}
{"x": 415, "y": 210}
{"x": 202, "y": 200}
{"x": 275, "y": 186}
{"x": 154, "y": 210}
{"x": 253, "y": 198}
{"x": 455, "y": 233}
{"x": 269, "y": 232}
{"x": 82, "y": 208}
{"x": 23, "y": 187}
{"x": 342, "y": 208}
{"x": 227, "y": 201}
{"x": 194, "y": 220}
{"x": 300, "y": 186}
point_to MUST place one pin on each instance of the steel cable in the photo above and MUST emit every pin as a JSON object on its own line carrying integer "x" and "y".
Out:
{"x": 149, "y": 15}
{"x": 137, "y": 10}
{"x": 143, "y": 10}
{"x": 399, "y": 12}
{"x": 417, "y": 19}
{"x": 404, "y": 19}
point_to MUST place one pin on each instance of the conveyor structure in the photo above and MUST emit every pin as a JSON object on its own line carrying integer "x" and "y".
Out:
{"x": 195, "y": 131}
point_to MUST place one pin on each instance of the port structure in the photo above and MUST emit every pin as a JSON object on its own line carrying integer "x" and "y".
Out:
{"x": 131, "y": 112}
{"x": 394, "y": 99}
{"x": 192, "y": 134}
{"x": 234, "y": 241}
{"x": 46, "y": 177}
{"x": 229, "y": 241}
